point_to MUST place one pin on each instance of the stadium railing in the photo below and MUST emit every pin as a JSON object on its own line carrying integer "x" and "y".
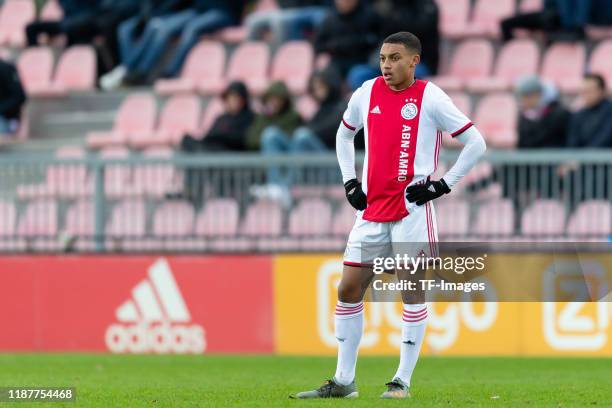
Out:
{"x": 141, "y": 203}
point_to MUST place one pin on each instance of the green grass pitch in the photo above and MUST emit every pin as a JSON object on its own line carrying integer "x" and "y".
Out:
{"x": 267, "y": 381}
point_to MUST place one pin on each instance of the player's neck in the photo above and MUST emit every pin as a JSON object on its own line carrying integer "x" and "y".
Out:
{"x": 404, "y": 85}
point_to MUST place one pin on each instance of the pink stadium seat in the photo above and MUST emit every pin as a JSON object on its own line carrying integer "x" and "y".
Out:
{"x": 473, "y": 59}
{"x": 14, "y": 16}
{"x": 543, "y": 218}
{"x": 598, "y": 32}
{"x": 203, "y": 71}
{"x": 310, "y": 217}
{"x": 117, "y": 177}
{"x": 453, "y": 218}
{"x": 487, "y": 16}
{"x": 591, "y": 219}
{"x": 255, "y": 73}
{"x": 8, "y": 215}
{"x": 307, "y": 106}
{"x": 35, "y": 66}
{"x": 263, "y": 218}
{"x": 213, "y": 110}
{"x": 344, "y": 219}
{"x": 495, "y": 219}
{"x": 173, "y": 219}
{"x": 496, "y": 119}
{"x": 516, "y": 59}
{"x": 51, "y": 11}
{"x": 564, "y": 65}
{"x": 128, "y": 219}
{"x": 218, "y": 218}
{"x": 293, "y": 64}
{"x": 76, "y": 71}
{"x": 155, "y": 180}
{"x": 135, "y": 118}
{"x": 80, "y": 219}
{"x": 39, "y": 220}
{"x": 180, "y": 115}
{"x": 601, "y": 63}
{"x": 453, "y": 17}
{"x": 529, "y": 6}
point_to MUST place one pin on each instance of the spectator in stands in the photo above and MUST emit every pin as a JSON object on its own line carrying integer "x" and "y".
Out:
{"x": 543, "y": 121}
{"x": 291, "y": 21}
{"x": 269, "y": 133}
{"x": 348, "y": 34}
{"x": 228, "y": 133}
{"x": 12, "y": 98}
{"x": 143, "y": 39}
{"x": 591, "y": 127}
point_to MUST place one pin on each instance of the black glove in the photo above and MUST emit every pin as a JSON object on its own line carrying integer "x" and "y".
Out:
{"x": 422, "y": 193}
{"x": 355, "y": 195}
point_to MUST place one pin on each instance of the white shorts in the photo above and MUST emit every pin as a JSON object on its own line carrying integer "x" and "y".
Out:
{"x": 416, "y": 233}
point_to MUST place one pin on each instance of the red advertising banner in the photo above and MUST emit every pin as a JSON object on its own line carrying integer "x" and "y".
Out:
{"x": 137, "y": 304}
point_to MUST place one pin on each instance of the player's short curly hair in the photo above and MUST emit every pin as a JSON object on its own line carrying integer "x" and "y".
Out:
{"x": 409, "y": 40}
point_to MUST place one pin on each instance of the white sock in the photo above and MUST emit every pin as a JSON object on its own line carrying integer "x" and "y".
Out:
{"x": 413, "y": 331}
{"x": 349, "y": 328}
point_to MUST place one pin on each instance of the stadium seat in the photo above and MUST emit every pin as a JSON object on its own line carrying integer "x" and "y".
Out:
{"x": 563, "y": 64}
{"x": 14, "y": 16}
{"x": 453, "y": 218}
{"x": 39, "y": 220}
{"x": 155, "y": 180}
{"x": 203, "y": 71}
{"x": 473, "y": 59}
{"x": 293, "y": 64}
{"x": 601, "y": 63}
{"x": 516, "y": 59}
{"x": 496, "y": 116}
{"x": 35, "y": 66}
{"x": 344, "y": 219}
{"x": 306, "y": 106}
{"x": 51, "y": 11}
{"x": 218, "y": 218}
{"x": 76, "y": 71}
{"x": 255, "y": 72}
{"x": 180, "y": 115}
{"x": 117, "y": 177}
{"x": 8, "y": 215}
{"x": 463, "y": 103}
{"x": 543, "y": 218}
{"x": 487, "y": 16}
{"x": 263, "y": 219}
{"x": 213, "y": 110}
{"x": 135, "y": 117}
{"x": 173, "y": 219}
{"x": 453, "y": 17}
{"x": 530, "y": 6}
{"x": 592, "y": 218}
{"x": 128, "y": 219}
{"x": 310, "y": 217}
{"x": 80, "y": 219}
{"x": 495, "y": 219}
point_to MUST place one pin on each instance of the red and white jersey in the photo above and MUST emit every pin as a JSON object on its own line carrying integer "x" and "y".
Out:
{"x": 403, "y": 133}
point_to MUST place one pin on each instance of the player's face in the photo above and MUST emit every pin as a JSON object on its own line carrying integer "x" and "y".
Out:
{"x": 397, "y": 65}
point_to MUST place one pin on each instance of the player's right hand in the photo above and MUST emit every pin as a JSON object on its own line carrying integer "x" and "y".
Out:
{"x": 355, "y": 195}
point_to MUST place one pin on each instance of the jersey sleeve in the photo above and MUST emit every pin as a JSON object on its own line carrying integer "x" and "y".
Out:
{"x": 447, "y": 116}
{"x": 352, "y": 118}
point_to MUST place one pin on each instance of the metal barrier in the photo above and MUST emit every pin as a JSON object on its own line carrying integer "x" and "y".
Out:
{"x": 144, "y": 203}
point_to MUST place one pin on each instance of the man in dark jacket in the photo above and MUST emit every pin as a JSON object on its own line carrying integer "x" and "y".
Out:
{"x": 349, "y": 34}
{"x": 12, "y": 98}
{"x": 591, "y": 127}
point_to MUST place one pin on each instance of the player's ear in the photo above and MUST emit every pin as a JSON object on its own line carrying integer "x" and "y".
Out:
{"x": 416, "y": 58}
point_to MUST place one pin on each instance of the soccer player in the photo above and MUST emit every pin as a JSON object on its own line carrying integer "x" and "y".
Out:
{"x": 403, "y": 119}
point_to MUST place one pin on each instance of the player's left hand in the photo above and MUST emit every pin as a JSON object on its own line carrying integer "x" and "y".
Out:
{"x": 422, "y": 193}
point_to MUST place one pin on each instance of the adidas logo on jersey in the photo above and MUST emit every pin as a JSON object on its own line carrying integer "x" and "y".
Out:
{"x": 376, "y": 110}
{"x": 156, "y": 319}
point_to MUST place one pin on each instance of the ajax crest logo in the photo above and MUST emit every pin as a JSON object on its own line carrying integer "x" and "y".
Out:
{"x": 409, "y": 111}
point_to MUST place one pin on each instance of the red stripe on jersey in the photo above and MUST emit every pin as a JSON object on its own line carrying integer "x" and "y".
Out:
{"x": 463, "y": 129}
{"x": 392, "y": 141}
{"x": 347, "y": 125}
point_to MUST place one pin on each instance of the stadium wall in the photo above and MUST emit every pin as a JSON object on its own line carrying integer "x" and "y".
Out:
{"x": 256, "y": 304}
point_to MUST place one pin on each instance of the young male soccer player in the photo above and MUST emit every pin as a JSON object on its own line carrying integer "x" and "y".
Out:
{"x": 403, "y": 119}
